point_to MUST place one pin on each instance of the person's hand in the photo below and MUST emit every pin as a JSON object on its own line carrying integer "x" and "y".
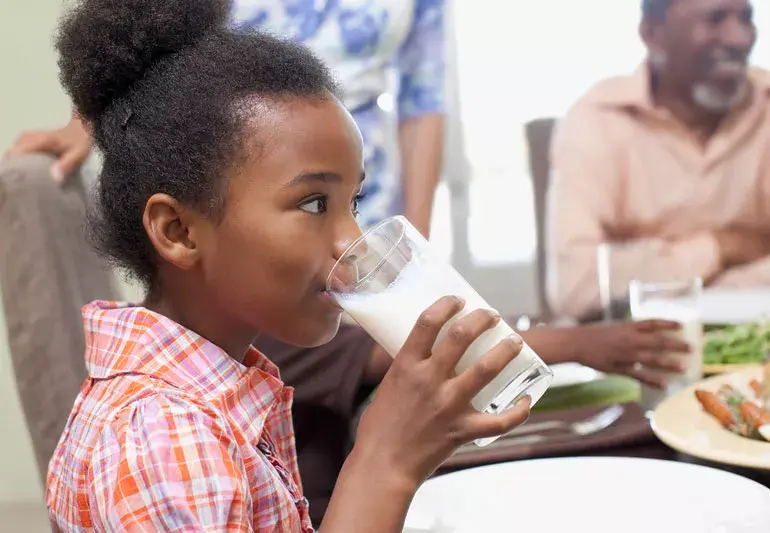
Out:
{"x": 739, "y": 247}
{"x": 70, "y": 145}
{"x": 421, "y": 412}
{"x": 641, "y": 350}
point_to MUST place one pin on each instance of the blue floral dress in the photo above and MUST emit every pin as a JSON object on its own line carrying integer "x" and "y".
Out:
{"x": 389, "y": 57}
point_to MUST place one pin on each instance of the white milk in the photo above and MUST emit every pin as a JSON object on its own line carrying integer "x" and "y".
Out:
{"x": 691, "y": 332}
{"x": 390, "y": 315}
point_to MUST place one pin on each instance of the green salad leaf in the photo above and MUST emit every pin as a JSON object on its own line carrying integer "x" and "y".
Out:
{"x": 742, "y": 344}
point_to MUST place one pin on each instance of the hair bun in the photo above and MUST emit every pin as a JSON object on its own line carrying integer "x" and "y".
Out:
{"x": 106, "y": 46}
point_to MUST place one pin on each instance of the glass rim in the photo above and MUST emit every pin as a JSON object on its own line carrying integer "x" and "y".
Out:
{"x": 636, "y": 284}
{"x": 361, "y": 238}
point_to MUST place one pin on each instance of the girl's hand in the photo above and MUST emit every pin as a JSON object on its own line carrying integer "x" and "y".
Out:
{"x": 421, "y": 412}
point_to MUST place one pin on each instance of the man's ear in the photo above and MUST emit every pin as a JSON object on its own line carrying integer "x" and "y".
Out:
{"x": 651, "y": 33}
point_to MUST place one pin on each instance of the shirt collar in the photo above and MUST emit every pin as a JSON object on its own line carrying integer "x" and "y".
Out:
{"x": 126, "y": 339}
{"x": 635, "y": 91}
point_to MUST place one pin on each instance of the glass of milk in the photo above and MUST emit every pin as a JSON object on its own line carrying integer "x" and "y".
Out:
{"x": 678, "y": 301}
{"x": 388, "y": 277}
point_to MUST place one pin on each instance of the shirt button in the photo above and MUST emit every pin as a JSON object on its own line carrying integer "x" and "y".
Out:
{"x": 386, "y": 102}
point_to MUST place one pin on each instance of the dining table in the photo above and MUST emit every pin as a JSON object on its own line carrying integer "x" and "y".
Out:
{"x": 547, "y": 433}
{"x": 594, "y": 435}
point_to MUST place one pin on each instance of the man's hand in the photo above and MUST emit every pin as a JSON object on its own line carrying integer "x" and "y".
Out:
{"x": 71, "y": 145}
{"x": 641, "y": 350}
{"x": 739, "y": 247}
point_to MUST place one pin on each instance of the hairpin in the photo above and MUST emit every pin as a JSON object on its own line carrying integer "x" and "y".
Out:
{"x": 127, "y": 118}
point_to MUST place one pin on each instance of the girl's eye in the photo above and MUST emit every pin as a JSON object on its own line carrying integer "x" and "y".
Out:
{"x": 315, "y": 206}
{"x": 356, "y": 200}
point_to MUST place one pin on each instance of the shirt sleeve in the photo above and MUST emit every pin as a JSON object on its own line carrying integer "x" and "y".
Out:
{"x": 757, "y": 273}
{"x": 754, "y": 274}
{"x": 421, "y": 63}
{"x": 166, "y": 465}
{"x": 584, "y": 200}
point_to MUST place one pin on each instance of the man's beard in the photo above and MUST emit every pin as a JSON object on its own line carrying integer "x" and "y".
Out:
{"x": 713, "y": 100}
{"x": 704, "y": 95}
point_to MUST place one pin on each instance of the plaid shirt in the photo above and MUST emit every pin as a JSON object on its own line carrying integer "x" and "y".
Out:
{"x": 169, "y": 433}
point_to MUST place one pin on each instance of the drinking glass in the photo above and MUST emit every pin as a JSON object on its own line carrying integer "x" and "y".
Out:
{"x": 678, "y": 301}
{"x": 389, "y": 276}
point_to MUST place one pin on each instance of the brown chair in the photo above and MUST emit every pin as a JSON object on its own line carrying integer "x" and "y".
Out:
{"x": 539, "y": 133}
{"x": 47, "y": 272}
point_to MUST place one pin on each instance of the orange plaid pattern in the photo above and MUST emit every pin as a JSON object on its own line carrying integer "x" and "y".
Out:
{"x": 169, "y": 433}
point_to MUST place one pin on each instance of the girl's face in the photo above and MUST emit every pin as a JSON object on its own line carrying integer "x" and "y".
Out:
{"x": 289, "y": 214}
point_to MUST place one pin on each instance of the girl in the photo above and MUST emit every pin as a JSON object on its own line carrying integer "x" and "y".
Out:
{"x": 229, "y": 187}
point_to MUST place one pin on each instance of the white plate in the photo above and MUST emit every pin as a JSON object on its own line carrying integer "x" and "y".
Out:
{"x": 734, "y": 306}
{"x": 566, "y": 374}
{"x": 681, "y": 423}
{"x": 597, "y": 495}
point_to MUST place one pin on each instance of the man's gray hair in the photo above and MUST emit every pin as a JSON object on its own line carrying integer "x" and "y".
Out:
{"x": 655, "y": 9}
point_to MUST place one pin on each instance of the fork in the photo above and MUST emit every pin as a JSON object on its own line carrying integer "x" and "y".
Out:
{"x": 522, "y": 435}
{"x": 600, "y": 420}
{"x": 589, "y": 426}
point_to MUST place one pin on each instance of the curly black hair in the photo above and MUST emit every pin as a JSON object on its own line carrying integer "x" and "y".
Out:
{"x": 160, "y": 84}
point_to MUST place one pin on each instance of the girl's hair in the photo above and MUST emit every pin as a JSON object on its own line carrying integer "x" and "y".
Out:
{"x": 167, "y": 89}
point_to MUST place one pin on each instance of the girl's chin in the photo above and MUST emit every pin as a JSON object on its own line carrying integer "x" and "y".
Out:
{"x": 312, "y": 333}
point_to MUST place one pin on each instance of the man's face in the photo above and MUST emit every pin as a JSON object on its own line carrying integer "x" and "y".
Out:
{"x": 702, "y": 48}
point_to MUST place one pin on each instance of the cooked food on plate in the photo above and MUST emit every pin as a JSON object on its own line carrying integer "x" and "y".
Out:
{"x": 746, "y": 414}
{"x": 764, "y": 392}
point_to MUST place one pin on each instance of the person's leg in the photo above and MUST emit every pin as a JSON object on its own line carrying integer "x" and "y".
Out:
{"x": 47, "y": 272}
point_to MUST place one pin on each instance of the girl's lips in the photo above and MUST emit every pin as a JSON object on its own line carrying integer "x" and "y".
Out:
{"x": 327, "y": 297}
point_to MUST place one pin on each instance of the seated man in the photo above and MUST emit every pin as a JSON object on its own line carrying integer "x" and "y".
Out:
{"x": 669, "y": 166}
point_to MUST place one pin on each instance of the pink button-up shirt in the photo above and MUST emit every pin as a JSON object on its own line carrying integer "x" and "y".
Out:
{"x": 169, "y": 433}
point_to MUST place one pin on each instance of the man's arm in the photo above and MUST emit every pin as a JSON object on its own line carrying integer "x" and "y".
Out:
{"x": 750, "y": 275}
{"x": 421, "y": 109}
{"x": 756, "y": 269}
{"x": 583, "y": 205}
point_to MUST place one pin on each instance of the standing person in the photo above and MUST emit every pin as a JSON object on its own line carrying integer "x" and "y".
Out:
{"x": 388, "y": 55}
